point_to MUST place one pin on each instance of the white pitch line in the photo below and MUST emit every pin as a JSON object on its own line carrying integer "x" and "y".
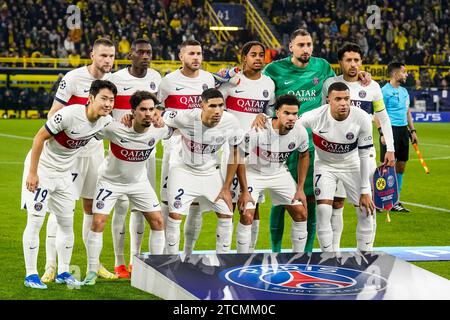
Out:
{"x": 15, "y": 137}
{"x": 435, "y": 145}
{"x": 438, "y": 158}
{"x": 426, "y": 207}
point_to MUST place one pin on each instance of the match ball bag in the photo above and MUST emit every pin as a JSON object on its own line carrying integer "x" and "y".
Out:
{"x": 385, "y": 188}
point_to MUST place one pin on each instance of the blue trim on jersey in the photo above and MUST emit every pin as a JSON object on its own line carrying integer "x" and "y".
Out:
{"x": 61, "y": 101}
{"x": 366, "y": 147}
{"x": 48, "y": 129}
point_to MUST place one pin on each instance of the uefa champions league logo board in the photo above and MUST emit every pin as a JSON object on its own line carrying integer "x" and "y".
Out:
{"x": 286, "y": 276}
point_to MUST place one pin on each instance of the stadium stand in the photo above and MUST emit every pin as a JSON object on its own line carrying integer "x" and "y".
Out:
{"x": 415, "y": 32}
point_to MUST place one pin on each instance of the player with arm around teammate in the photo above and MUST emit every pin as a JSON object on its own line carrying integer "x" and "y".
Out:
{"x": 124, "y": 173}
{"x": 342, "y": 136}
{"x": 268, "y": 150}
{"x": 47, "y": 183}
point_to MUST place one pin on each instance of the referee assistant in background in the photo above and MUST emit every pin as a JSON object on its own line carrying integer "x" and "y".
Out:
{"x": 396, "y": 99}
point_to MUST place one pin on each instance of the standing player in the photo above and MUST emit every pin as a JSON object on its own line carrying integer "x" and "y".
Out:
{"x": 301, "y": 75}
{"x": 74, "y": 89}
{"x": 268, "y": 150}
{"x": 197, "y": 175}
{"x": 254, "y": 94}
{"x": 124, "y": 173}
{"x": 342, "y": 135}
{"x": 369, "y": 99}
{"x": 396, "y": 99}
{"x": 136, "y": 77}
{"x": 47, "y": 183}
{"x": 181, "y": 90}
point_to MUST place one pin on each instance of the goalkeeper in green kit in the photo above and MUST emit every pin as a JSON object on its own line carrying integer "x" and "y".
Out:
{"x": 302, "y": 75}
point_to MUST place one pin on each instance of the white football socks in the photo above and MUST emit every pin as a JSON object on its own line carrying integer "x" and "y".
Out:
{"x": 243, "y": 237}
{"x": 156, "y": 241}
{"x": 337, "y": 224}
{"x": 172, "y": 236}
{"x": 50, "y": 242}
{"x": 137, "y": 228}
{"x": 94, "y": 245}
{"x": 224, "y": 233}
{"x": 192, "y": 227}
{"x": 64, "y": 242}
{"x": 254, "y": 237}
{"x": 30, "y": 242}
{"x": 324, "y": 231}
{"x": 299, "y": 233}
{"x": 118, "y": 229}
{"x": 364, "y": 230}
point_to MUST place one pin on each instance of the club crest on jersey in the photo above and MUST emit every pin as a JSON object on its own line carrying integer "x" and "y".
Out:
{"x": 38, "y": 206}
{"x": 62, "y": 84}
{"x": 291, "y": 145}
{"x": 151, "y": 142}
{"x": 350, "y": 136}
{"x": 317, "y": 191}
{"x": 204, "y": 86}
{"x": 304, "y": 279}
{"x": 152, "y": 85}
{"x": 57, "y": 118}
{"x": 316, "y": 80}
{"x": 265, "y": 93}
{"x": 362, "y": 94}
{"x": 100, "y": 205}
{"x": 177, "y": 204}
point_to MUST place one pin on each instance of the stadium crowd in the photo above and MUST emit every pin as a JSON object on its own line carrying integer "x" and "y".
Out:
{"x": 38, "y": 28}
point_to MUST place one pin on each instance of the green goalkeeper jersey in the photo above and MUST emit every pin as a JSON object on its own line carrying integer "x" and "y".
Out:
{"x": 305, "y": 83}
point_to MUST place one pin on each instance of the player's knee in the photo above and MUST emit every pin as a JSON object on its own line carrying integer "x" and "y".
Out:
{"x": 298, "y": 213}
{"x": 175, "y": 216}
{"x": 98, "y": 222}
{"x": 338, "y": 203}
{"x": 156, "y": 221}
{"x": 247, "y": 217}
{"x": 87, "y": 205}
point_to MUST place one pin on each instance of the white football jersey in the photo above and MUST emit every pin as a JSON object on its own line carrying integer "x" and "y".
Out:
{"x": 268, "y": 151}
{"x": 200, "y": 144}
{"x": 249, "y": 98}
{"x": 129, "y": 150}
{"x": 369, "y": 98}
{"x": 337, "y": 142}
{"x": 71, "y": 130}
{"x": 178, "y": 92}
{"x": 127, "y": 85}
{"x": 74, "y": 89}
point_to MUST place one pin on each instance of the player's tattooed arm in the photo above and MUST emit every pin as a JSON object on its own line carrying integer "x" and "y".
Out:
{"x": 32, "y": 181}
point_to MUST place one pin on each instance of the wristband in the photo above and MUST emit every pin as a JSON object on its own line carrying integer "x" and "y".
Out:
{"x": 413, "y": 130}
{"x": 380, "y": 132}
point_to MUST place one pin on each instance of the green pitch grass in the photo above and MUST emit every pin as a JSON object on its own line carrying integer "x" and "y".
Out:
{"x": 421, "y": 227}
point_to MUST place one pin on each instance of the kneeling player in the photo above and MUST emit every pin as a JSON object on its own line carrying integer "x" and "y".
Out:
{"x": 124, "y": 173}
{"x": 266, "y": 168}
{"x": 342, "y": 135}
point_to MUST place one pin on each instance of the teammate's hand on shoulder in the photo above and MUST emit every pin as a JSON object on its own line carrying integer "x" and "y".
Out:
{"x": 244, "y": 198}
{"x": 225, "y": 195}
{"x": 365, "y": 78}
{"x": 127, "y": 120}
{"x": 32, "y": 182}
{"x": 158, "y": 121}
{"x": 365, "y": 201}
{"x": 389, "y": 159}
{"x": 260, "y": 121}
